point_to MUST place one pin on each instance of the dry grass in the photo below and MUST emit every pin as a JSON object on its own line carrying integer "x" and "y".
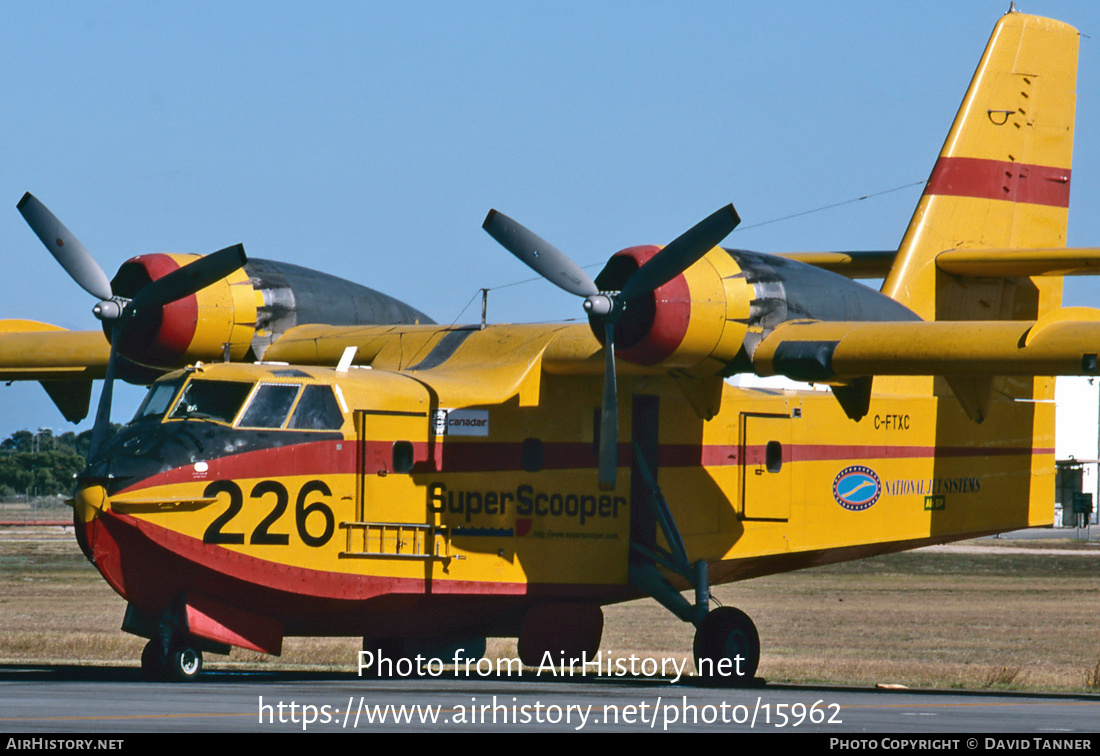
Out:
{"x": 1092, "y": 679}
{"x": 921, "y": 619}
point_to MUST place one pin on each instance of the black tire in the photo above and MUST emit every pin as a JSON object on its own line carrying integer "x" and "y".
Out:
{"x": 184, "y": 664}
{"x": 153, "y": 662}
{"x": 725, "y": 634}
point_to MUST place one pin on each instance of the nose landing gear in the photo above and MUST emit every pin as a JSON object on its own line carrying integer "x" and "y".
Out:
{"x": 172, "y": 653}
{"x": 178, "y": 662}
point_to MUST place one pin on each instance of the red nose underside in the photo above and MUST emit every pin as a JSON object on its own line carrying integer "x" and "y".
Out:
{"x": 152, "y": 567}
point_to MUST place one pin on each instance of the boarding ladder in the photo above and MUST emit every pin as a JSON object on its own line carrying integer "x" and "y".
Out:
{"x": 396, "y": 540}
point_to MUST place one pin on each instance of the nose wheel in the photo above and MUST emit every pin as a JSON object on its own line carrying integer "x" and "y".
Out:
{"x": 179, "y": 663}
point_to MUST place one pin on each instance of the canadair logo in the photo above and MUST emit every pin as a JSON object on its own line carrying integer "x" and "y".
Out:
{"x": 856, "y": 488}
{"x": 460, "y": 422}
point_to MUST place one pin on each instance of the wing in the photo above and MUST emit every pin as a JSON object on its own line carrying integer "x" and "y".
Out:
{"x": 490, "y": 365}
{"x": 975, "y": 263}
{"x": 41, "y": 352}
{"x": 65, "y": 362}
{"x": 969, "y": 355}
{"x": 1066, "y": 343}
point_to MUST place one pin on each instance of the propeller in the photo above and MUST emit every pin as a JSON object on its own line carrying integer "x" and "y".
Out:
{"x": 611, "y": 306}
{"x": 66, "y": 248}
{"x": 116, "y": 312}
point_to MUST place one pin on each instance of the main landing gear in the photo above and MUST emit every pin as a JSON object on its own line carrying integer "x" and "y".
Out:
{"x": 727, "y": 646}
{"x": 726, "y": 641}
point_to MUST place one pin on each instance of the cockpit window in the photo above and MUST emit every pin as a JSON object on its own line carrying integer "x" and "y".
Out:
{"x": 269, "y": 406}
{"x": 317, "y": 410}
{"x": 211, "y": 400}
{"x": 157, "y": 401}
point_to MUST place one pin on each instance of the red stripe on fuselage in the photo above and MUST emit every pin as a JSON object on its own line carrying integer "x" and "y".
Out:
{"x": 328, "y": 457}
{"x": 301, "y": 580}
{"x": 1000, "y": 180}
{"x": 332, "y": 457}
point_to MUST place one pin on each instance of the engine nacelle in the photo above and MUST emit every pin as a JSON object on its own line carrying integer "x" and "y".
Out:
{"x": 700, "y": 316}
{"x": 196, "y": 327}
{"x": 245, "y": 312}
{"x": 710, "y": 318}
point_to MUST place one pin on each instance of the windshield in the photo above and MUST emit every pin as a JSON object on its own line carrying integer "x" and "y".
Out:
{"x": 157, "y": 401}
{"x": 211, "y": 400}
{"x": 270, "y": 405}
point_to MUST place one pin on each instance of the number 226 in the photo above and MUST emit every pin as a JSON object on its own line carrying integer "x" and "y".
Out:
{"x": 262, "y": 535}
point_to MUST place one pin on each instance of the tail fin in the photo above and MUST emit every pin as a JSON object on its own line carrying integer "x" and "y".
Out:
{"x": 1001, "y": 180}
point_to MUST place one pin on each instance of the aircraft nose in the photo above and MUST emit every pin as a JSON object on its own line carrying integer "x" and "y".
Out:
{"x": 89, "y": 502}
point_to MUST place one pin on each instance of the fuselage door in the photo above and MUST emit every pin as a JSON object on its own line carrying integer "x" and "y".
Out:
{"x": 393, "y": 521}
{"x": 765, "y": 469}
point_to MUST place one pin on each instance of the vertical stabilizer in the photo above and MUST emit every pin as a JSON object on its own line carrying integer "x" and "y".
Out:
{"x": 1001, "y": 180}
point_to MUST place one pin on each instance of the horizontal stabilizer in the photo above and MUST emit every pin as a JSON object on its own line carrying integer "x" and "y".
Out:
{"x": 1006, "y": 263}
{"x": 866, "y": 264}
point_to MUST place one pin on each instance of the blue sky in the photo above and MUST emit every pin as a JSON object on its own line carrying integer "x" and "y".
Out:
{"x": 369, "y": 140}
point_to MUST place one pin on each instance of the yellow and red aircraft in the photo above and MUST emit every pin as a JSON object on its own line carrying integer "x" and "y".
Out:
{"x": 421, "y": 486}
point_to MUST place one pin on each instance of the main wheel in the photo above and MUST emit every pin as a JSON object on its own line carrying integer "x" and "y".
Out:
{"x": 184, "y": 663}
{"x": 727, "y": 648}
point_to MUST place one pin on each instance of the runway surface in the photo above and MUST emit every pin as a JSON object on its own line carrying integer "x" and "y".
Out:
{"x": 109, "y": 700}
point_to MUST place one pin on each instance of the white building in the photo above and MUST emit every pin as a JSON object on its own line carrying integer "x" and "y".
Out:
{"x": 1076, "y": 441}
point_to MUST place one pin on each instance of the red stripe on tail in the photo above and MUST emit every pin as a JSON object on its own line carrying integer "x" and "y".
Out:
{"x": 1000, "y": 180}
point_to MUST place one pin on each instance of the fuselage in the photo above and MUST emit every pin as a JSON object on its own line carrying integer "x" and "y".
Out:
{"x": 377, "y": 502}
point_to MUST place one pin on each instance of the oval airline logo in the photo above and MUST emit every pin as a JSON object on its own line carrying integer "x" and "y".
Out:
{"x": 856, "y": 488}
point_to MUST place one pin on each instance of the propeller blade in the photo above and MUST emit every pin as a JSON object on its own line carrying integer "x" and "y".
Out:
{"x": 66, "y": 248}
{"x": 180, "y": 283}
{"x": 539, "y": 255}
{"x": 103, "y": 411}
{"x": 609, "y": 415}
{"x": 681, "y": 253}
{"x": 189, "y": 279}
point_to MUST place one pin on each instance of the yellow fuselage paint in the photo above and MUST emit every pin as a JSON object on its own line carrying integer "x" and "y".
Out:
{"x": 832, "y": 489}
